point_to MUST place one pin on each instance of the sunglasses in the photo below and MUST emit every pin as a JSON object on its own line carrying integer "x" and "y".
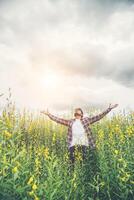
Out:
{"x": 78, "y": 114}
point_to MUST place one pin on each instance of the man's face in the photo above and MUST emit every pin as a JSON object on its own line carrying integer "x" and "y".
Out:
{"x": 78, "y": 114}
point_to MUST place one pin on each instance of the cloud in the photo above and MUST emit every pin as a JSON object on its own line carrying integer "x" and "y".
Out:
{"x": 89, "y": 42}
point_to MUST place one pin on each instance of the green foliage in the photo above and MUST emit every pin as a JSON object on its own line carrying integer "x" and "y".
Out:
{"x": 34, "y": 160}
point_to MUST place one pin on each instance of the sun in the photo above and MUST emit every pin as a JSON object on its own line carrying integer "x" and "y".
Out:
{"x": 51, "y": 79}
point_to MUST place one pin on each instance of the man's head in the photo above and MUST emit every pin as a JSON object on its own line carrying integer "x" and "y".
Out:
{"x": 78, "y": 113}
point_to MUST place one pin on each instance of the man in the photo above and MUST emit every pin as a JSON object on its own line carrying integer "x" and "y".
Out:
{"x": 79, "y": 133}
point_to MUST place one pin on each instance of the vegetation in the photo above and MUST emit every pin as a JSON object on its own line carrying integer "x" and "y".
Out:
{"x": 34, "y": 160}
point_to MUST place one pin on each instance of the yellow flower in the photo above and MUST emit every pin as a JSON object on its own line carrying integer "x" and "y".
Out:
{"x": 79, "y": 156}
{"x": 36, "y": 198}
{"x": 34, "y": 187}
{"x": 54, "y": 137}
{"x": 123, "y": 179}
{"x": 15, "y": 170}
{"x": 31, "y": 193}
{"x": 37, "y": 162}
{"x": 101, "y": 134}
{"x": 30, "y": 180}
{"x": 46, "y": 152}
{"x": 66, "y": 156}
{"x": 30, "y": 129}
{"x": 129, "y": 130}
{"x": 116, "y": 151}
{"x": 7, "y": 134}
{"x": 117, "y": 128}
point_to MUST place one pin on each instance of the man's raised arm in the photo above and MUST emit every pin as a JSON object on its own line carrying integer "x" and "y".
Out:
{"x": 57, "y": 119}
{"x": 101, "y": 115}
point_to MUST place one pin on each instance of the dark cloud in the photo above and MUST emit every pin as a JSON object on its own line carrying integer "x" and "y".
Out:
{"x": 126, "y": 77}
{"x": 94, "y": 63}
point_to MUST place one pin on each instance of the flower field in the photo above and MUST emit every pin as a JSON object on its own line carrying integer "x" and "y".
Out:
{"x": 34, "y": 161}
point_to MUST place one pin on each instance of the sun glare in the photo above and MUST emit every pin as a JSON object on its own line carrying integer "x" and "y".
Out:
{"x": 51, "y": 79}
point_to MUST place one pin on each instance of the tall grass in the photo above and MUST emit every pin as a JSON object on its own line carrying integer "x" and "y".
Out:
{"x": 34, "y": 160}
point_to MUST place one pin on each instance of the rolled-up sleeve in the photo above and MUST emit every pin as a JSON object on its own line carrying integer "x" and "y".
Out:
{"x": 59, "y": 120}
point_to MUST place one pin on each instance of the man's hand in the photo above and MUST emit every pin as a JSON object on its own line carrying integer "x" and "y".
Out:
{"x": 113, "y": 106}
{"x": 45, "y": 112}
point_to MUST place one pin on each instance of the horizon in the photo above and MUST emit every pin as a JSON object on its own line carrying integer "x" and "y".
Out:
{"x": 88, "y": 110}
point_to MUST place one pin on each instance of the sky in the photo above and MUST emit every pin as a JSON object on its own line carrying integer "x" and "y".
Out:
{"x": 59, "y": 54}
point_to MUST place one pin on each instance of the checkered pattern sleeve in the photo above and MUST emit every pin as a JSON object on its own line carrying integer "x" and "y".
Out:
{"x": 99, "y": 116}
{"x": 59, "y": 120}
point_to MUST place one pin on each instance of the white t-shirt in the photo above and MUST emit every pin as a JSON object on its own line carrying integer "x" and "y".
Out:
{"x": 78, "y": 134}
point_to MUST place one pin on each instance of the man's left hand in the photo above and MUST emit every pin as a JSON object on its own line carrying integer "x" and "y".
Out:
{"x": 113, "y": 106}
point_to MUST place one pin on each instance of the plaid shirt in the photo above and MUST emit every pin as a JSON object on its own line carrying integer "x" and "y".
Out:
{"x": 86, "y": 121}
